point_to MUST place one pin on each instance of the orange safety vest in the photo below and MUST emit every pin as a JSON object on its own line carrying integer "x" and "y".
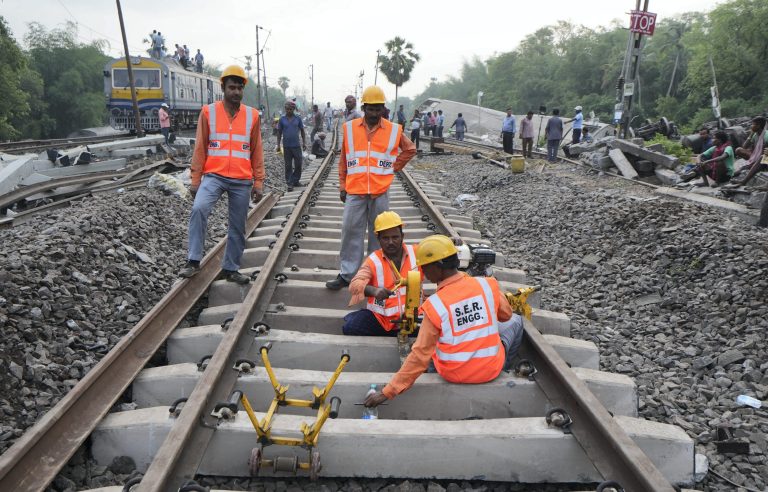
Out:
{"x": 370, "y": 164}
{"x": 389, "y": 309}
{"x": 469, "y": 349}
{"x": 229, "y": 144}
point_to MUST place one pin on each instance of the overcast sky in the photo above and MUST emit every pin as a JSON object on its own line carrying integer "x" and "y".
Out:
{"x": 339, "y": 38}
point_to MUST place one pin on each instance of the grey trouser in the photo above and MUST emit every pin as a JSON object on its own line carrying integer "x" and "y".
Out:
{"x": 359, "y": 212}
{"x": 211, "y": 188}
{"x": 511, "y": 334}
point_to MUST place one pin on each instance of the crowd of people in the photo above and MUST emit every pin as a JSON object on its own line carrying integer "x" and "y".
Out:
{"x": 181, "y": 52}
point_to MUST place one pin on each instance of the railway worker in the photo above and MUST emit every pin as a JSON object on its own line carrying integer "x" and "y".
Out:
{"x": 553, "y": 133}
{"x": 375, "y": 280}
{"x": 227, "y": 158}
{"x": 367, "y": 164}
{"x": 317, "y": 122}
{"x": 289, "y": 128}
{"x": 401, "y": 116}
{"x": 351, "y": 112}
{"x": 469, "y": 331}
{"x": 440, "y": 123}
{"x": 526, "y": 134}
{"x": 165, "y": 121}
{"x": 328, "y": 115}
{"x": 753, "y": 150}
{"x": 578, "y": 125}
{"x": 318, "y": 146}
{"x": 199, "y": 59}
{"x": 508, "y": 130}
{"x": 461, "y": 127}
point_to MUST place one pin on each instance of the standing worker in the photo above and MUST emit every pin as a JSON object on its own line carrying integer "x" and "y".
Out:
{"x": 578, "y": 124}
{"x": 288, "y": 129}
{"x": 165, "y": 121}
{"x": 553, "y": 133}
{"x": 468, "y": 330}
{"x": 228, "y": 157}
{"x": 328, "y": 115}
{"x": 199, "y": 60}
{"x": 508, "y": 130}
{"x": 376, "y": 280}
{"x": 526, "y": 134}
{"x": 351, "y": 112}
{"x": 415, "y": 126}
{"x": 440, "y": 123}
{"x": 367, "y": 164}
{"x": 317, "y": 122}
{"x": 461, "y": 127}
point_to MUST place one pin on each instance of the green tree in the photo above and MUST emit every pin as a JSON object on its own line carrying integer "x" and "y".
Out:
{"x": 73, "y": 84}
{"x": 283, "y": 82}
{"x": 15, "y": 102}
{"x": 397, "y": 64}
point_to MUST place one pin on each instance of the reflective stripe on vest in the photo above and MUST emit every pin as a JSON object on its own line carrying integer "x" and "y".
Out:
{"x": 229, "y": 153}
{"x": 469, "y": 347}
{"x": 391, "y": 308}
{"x": 373, "y": 158}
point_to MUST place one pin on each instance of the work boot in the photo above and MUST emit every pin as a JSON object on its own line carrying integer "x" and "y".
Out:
{"x": 190, "y": 269}
{"x": 235, "y": 276}
{"x": 336, "y": 283}
{"x": 290, "y": 188}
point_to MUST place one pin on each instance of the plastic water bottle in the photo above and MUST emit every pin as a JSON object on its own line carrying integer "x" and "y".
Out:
{"x": 749, "y": 401}
{"x": 372, "y": 412}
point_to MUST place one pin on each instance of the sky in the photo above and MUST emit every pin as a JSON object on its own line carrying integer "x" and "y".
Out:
{"x": 338, "y": 38}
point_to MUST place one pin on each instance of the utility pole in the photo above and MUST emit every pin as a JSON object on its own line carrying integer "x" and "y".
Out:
{"x": 258, "y": 66}
{"x": 642, "y": 23}
{"x": 362, "y": 73}
{"x": 266, "y": 89}
{"x": 312, "y": 83}
{"x": 139, "y": 129}
{"x": 376, "y": 75}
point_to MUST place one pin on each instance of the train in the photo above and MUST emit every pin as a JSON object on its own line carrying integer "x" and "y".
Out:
{"x": 157, "y": 82}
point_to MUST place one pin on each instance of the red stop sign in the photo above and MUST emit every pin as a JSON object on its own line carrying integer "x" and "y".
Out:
{"x": 642, "y": 22}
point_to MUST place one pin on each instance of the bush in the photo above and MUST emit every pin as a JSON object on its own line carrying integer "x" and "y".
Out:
{"x": 672, "y": 147}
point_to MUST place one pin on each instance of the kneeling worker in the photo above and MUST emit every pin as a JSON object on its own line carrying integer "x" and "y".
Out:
{"x": 376, "y": 280}
{"x": 469, "y": 330}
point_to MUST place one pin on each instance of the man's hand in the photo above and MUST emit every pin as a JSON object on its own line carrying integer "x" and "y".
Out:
{"x": 382, "y": 293}
{"x": 193, "y": 191}
{"x": 343, "y": 196}
{"x": 375, "y": 399}
{"x": 256, "y": 195}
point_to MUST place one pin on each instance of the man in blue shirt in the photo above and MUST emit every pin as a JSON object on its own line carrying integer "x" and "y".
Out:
{"x": 508, "y": 129}
{"x": 401, "y": 116}
{"x": 440, "y": 123}
{"x": 288, "y": 130}
{"x": 461, "y": 127}
{"x": 578, "y": 124}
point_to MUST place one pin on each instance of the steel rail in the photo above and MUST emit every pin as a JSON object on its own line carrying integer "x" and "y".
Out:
{"x": 33, "y": 461}
{"x": 438, "y": 216}
{"x": 179, "y": 457}
{"x": 615, "y": 455}
{"x": 25, "y": 145}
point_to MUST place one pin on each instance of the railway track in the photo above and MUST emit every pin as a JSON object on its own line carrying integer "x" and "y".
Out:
{"x": 56, "y": 143}
{"x": 506, "y": 430}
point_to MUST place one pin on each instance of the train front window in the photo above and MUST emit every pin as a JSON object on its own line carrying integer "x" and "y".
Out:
{"x": 145, "y": 78}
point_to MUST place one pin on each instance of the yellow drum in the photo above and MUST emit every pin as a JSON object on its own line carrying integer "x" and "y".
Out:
{"x": 516, "y": 163}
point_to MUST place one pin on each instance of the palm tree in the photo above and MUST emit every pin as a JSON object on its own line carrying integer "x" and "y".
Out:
{"x": 398, "y": 63}
{"x": 673, "y": 41}
{"x": 283, "y": 83}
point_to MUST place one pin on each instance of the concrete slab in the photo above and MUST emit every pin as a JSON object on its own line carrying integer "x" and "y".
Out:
{"x": 513, "y": 450}
{"x": 321, "y": 320}
{"x": 725, "y": 205}
{"x": 109, "y": 165}
{"x": 136, "y": 152}
{"x": 667, "y": 161}
{"x": 103, "y": 149}
{"x": 430, "y": 398}
{"x": 623, "y": 164}
{"x": 315, "y": 294}
{"x": 667, "y": 176}
{"x": 307, "y": 350}
{"x": 13, "y": 172}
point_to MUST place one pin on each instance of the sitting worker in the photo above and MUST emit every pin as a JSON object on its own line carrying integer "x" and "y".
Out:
{"x": 586, "y": 137}
{"x": 468, "y": 329}
{"x": 318, "y": 146}
{"x": 759, "y": 142}
{"x": 716, "y": 162}
{"x": 376, "y": 280}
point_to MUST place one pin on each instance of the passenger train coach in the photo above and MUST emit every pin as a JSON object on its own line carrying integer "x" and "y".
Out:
{"x": 157, "y": 82}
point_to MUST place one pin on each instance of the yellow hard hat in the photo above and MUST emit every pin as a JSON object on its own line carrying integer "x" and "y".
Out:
{"x": 373, "y": 95}
{"x": 387, "y": 220}
{"x": 234, "y": 71}
{"x": 434, "y": 248}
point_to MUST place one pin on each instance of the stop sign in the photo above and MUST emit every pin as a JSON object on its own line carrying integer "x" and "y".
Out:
{"x": 642, "y": 22}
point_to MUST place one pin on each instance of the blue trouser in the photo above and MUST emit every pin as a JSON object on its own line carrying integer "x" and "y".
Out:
{"x": 293, "y": 157}
{"x": 165, "y": 132}
{"x": 328, "y": 120}
{"x": 552, "y": 146}
{"x": 239, "y": 195}
{"x": 364, "y": 323}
